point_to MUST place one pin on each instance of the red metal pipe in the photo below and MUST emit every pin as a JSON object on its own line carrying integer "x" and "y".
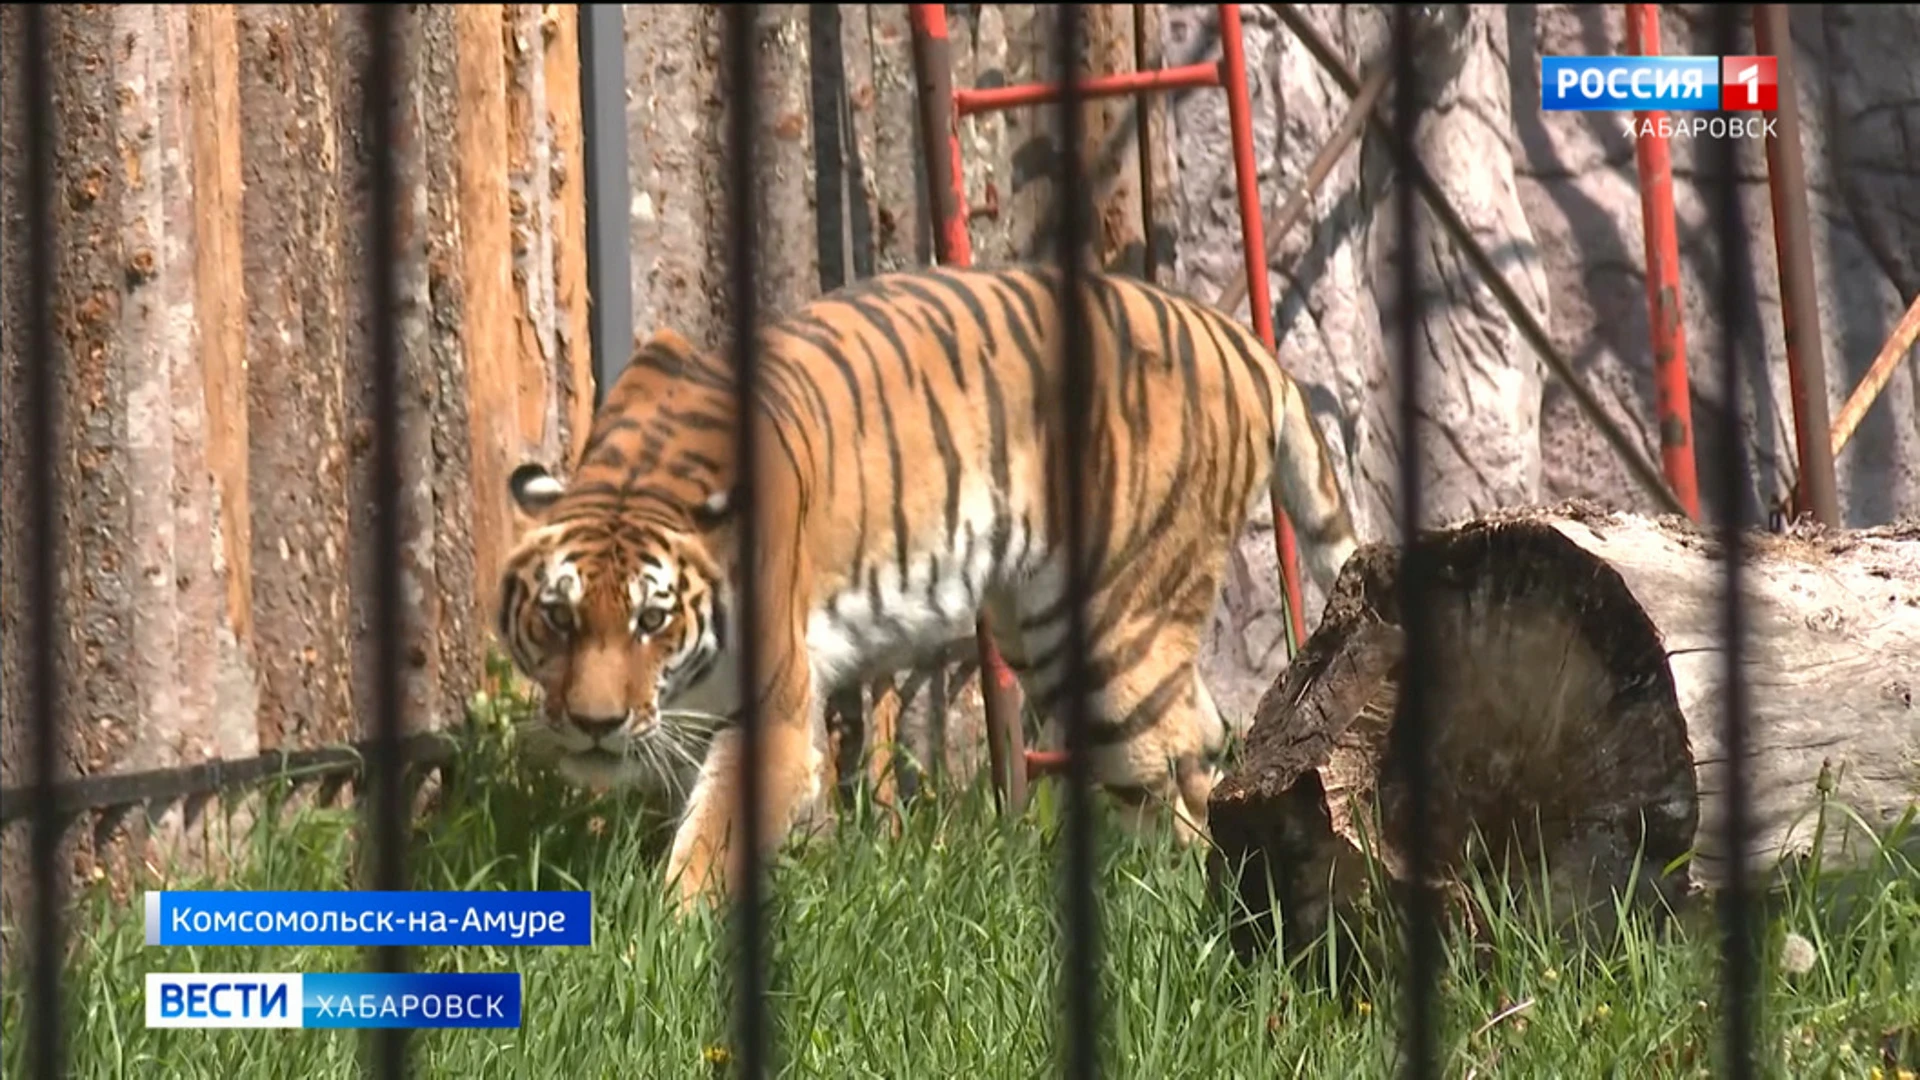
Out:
{"x": 1046, "y": 763}
{"x": 940, "y": 133}
{"x": 952, "y": 246}
{"x": 968, "y": 102}
{"x": 1672, "y": 391}
{"x": 1246, "y": 179}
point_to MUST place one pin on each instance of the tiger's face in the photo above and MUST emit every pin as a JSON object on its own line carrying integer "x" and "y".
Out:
{"x": 623, "y": 625}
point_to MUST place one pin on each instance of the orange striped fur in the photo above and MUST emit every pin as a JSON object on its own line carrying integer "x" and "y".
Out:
{"x": 907, "y": 426}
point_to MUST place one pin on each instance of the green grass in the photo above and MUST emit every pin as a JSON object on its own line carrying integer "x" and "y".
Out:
{"x": 936, "y": 954}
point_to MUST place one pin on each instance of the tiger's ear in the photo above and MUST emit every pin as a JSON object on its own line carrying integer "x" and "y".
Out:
{"x": 667, "y": 341}
{"x": 534, "y": 490}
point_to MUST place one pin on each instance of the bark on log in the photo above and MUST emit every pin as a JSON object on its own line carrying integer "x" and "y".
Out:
{"x": 1578, "y": 712}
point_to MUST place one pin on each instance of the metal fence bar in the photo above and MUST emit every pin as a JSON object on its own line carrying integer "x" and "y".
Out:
{"x": 603, "y": 91}
{"x": 1072, "y": 445}
{"x": 1410, "y": 737}
{"x": 151, "y": 787}
{"x": 754, "y": 1030}
{"x": 388, "y": 806}
{"x": 1740, "y": 973}
{"x": 47, "y": 1052}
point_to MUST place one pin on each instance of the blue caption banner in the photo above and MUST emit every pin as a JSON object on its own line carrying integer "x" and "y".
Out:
{"x": 1629, "y": 83}
{"x": 345, "y": 1000}
{"x": 369, "y": 918}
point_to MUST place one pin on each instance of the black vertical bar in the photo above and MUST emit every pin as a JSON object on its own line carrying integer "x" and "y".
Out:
{"x": 1074, "y": 439}
{"x": 1740, "y": 971}
{"x": 829, "y": 156}
{"x": 1410, "y": 736}
{"x": 47, "y": 1054}
{"x": 389, "y": 810}
{"x": 603, "y": 92}
{"x": 751, "y": 1006}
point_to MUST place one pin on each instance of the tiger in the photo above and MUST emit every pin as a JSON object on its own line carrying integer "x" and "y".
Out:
{"x": 908, "y": 428}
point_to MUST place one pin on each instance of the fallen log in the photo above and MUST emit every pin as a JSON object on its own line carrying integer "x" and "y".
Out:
{"x": 1577, "y": 716}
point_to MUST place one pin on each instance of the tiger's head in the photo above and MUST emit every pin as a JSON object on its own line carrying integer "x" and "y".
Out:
{"x": 619, "y": 614}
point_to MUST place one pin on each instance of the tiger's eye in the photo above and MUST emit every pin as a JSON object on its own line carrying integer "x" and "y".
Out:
{"x": 559, "y": 616}
{"x": 651, "y": 620}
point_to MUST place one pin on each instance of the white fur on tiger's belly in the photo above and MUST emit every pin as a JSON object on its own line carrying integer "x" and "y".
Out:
{"x": 850, "y": 636}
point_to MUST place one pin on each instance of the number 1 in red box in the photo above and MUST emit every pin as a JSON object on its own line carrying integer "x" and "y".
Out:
{"x": 1749, "y": 83}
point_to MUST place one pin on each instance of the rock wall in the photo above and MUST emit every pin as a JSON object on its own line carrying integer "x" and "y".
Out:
{"x": 1554, "y": 198}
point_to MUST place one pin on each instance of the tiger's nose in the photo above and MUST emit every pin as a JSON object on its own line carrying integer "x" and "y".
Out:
{"x": 597, "y": 727}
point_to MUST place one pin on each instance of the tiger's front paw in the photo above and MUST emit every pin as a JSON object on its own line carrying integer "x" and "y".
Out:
{"x": 694, "y": 876}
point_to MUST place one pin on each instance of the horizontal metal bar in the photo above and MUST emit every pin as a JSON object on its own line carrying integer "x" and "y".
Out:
{"x": 85, "y": 793}
{"x": 968, "y": 102}
{"x": 1898, "y": 345}
{"x": 1046, "y": 763}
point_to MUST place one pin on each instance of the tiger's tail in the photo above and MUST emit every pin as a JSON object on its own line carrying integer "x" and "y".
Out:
{"x": 1306, "y": 486}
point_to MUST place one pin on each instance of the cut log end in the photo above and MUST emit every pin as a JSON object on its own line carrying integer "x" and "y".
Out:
{"x": 1556, "y": 735}
{"x": 1576, "y": 699}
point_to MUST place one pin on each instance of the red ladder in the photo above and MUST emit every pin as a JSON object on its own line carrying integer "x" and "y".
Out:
{"x": 941, "y": 107}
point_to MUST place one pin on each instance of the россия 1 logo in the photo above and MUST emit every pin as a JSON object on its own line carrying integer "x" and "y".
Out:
{"x": 1659, "y": 83}
{"x": 1749, "y": 82}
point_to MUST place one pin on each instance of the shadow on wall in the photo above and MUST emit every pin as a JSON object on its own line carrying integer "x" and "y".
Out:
{"x": 1611, "y": 260}
{"x": 1860, "y": 240}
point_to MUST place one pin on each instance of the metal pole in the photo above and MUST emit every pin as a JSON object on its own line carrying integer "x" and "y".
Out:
{"x": 1410, "y": 740}
{"x": 389, "y": 812}
{"x": 46, "y": 1036}
{"x": 1672, "y": 393}
{"x": 940, "y": 140}
{"x": 1799, "y": 302}
{"x": 753, "y": 1016}
{"x": 603, "y": 110}
{"x": 1739, "y": 902}
{"x": 1246, "y": 178}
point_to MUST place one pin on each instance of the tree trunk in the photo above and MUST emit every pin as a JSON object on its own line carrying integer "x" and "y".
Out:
{"x": 1576, "y": 712}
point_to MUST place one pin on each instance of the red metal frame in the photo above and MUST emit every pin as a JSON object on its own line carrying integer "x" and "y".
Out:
{"x": 1253, "y": 241}
{"x": 941, "y": 108}
{"x": 968, "y": 102}
{"x": 1673, "y": 394}
{"x": 951, "y": 242}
